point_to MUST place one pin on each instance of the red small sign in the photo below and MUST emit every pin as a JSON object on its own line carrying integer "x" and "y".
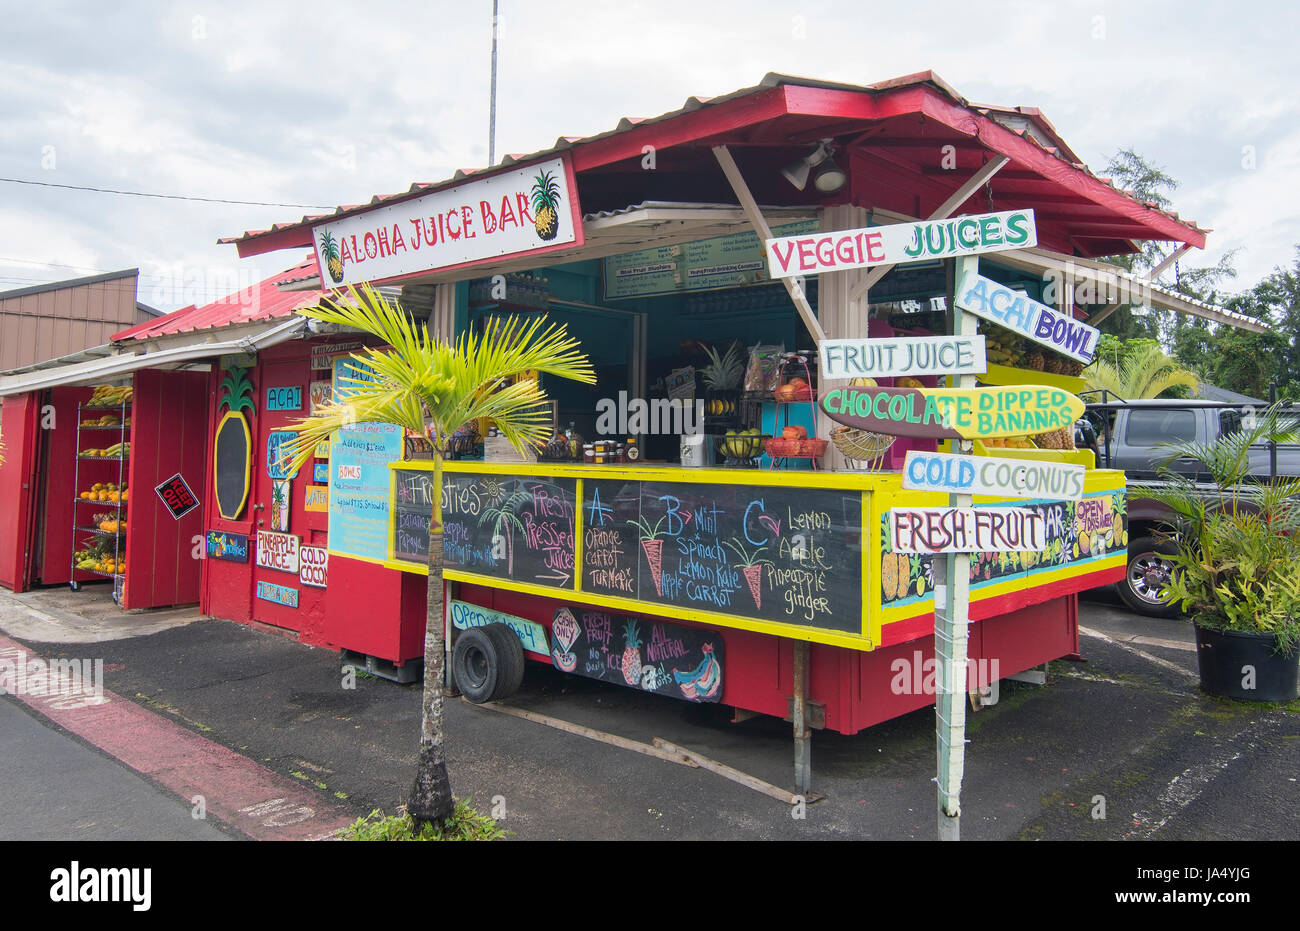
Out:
{"x": 177, "y": 496}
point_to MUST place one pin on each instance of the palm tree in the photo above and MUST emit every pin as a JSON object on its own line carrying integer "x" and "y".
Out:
{"x": 434, "y": 387}
{"x": 1145, "y": 373}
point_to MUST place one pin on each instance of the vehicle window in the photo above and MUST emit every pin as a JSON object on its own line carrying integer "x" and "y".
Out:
{"x": 1154, "y": 427}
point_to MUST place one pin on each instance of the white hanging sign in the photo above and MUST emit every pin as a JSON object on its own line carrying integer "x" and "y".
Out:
{"x": 967, "y": 530}
{"x": 1016, "y": 311}
{"x": 813, "y": 253}
{"x": 982, "y": 475}
{"x": 914, "y": 355}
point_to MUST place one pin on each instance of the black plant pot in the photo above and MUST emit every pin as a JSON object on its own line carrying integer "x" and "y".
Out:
{"x": 1222, "y": 656}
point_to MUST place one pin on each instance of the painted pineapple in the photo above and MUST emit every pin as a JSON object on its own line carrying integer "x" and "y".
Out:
{"x": 330, "y": 250}
{"x": 632, "y": 655}
{"x": 546, "y": 202}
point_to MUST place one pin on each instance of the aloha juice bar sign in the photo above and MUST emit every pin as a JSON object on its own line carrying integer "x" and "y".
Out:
{"x": 532, "y": 209}
{"x": 813, "y": 253}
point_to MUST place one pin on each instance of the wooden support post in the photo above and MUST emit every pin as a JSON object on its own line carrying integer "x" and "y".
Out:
{"x": 764, "y": 232}
{"x": 802, "y": 732}
{"x": 951, "y": 618}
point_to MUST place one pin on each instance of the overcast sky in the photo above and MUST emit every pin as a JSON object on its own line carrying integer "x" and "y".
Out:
{"x": 326, "y": 104}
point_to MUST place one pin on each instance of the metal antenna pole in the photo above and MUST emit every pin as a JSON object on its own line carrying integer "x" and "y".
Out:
{"x": 492, "y": 116}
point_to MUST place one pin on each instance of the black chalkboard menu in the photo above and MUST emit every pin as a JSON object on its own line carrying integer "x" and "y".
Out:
{"x": 790, "y": 555}
{"x": 230, "y": 465}
{"x": 411, "y": 513}
{"x": 510, "y": 527}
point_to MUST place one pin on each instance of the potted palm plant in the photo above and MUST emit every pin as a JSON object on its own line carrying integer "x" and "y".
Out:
{"x": 1236, "y": 562}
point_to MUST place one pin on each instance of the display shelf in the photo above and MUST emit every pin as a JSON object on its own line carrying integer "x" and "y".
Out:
{"x": 1007, "y": 375}
{"x": 118, "y": 507}
{"x": 1083, "y": 457}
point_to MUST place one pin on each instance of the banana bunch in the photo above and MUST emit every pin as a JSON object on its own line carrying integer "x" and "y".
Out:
{"x": 122, "y": 449}
{"x": 110, "y": 396}
{"x": 1002, "y": 347}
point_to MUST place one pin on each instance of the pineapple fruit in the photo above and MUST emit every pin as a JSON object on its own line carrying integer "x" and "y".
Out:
{"x": 329, "y": 249}
{"x": 546, "y": 201}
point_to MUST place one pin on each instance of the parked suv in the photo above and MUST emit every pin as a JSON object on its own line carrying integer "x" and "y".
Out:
{"x": 1132, "y": 435}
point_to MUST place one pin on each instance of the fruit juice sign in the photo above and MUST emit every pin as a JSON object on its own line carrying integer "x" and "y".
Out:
{"x": 954, "y": 413}
{"x": 919, "y": 355}
{"x": 967, "y": 530}
{"x": 813, "y": 253}
{"x": 1035, "y": 321}
{"x": 980, "y": 475}
{"x": 525, "y": 210}
{"x": 278, "y": 551}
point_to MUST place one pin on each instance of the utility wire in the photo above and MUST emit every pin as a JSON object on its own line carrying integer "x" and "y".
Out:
{"x": 207, "y": 200}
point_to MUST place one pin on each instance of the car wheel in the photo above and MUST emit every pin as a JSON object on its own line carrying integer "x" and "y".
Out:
{"x": 1149, "y": 567}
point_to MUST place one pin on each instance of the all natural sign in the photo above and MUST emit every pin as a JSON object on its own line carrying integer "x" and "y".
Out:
{"x": 981, "y": 475}
{"x": 1016, "y": 311}
{"x": 954, "y": 413}
{"x": 813, "y": 253}
{"x": 967, "y": 530}
{"x": 919, "y": 355}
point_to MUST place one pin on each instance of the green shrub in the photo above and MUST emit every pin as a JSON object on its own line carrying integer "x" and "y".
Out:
{"x": 465, "y": 824}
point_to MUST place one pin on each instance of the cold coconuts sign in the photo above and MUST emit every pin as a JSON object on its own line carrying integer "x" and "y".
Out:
{"x": 979, "y": 475}
{"x": 813, "y": 253}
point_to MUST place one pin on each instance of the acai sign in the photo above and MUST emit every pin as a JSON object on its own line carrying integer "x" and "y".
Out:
{"x": 1015, "y": 311}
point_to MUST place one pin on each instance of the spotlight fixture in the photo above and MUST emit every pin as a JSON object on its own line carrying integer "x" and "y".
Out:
{"x": 827, "y": 177}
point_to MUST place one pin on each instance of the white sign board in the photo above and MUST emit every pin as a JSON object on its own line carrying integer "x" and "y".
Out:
{"x": 531, "y": 209}
{"x": 278, "y": 551}
{"x": 981, "y": 475}
{"x": 313, "y": 566}
{"x": 1018, "y": 312}
{"x": 813, "y": 253}
{"x": 966, "y": 530}
{"x": 916, "y": 355}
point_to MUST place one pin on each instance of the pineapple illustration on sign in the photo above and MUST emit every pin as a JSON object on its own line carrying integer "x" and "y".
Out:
{"x": 632, "y": 654}
{"x": 751, "y": 567}
{"x": 653, "y": 548}
{"x": 280, "y": 490}
{"x": 546, "y": 206}
{"x": 329, "y": 250}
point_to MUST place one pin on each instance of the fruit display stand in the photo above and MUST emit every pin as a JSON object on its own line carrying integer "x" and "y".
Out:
{"x": 100, "y": 509}
{"x": 792, "y": 444}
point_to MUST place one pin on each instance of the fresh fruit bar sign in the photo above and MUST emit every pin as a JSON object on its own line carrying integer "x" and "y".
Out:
{"x": 525, "y": 210}
{"x": 176, "y": 495}
{"x": 953, "y": 413}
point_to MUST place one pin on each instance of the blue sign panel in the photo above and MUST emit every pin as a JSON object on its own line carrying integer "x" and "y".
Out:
{"x": 278, "y": 594}
{"x": 276, "y": 440}
{"x": 320, "y": 472}
{"x": 288, "y": 398}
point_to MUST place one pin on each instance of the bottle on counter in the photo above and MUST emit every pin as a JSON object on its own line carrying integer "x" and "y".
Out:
{"x": 631, "y": 451}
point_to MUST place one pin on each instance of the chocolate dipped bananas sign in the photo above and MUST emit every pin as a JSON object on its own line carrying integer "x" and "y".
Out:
{"x": 953, "y": 413}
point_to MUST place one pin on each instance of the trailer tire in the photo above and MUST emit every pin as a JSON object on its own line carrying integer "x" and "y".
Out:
{"x": 1139, "y": 589}
{"x": 511, "y": 655}
{"x": 475, "y": 665}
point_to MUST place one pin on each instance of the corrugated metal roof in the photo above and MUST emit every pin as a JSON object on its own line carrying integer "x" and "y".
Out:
{"x": 1043, "y": 135}
{"x": 263, "y": 301}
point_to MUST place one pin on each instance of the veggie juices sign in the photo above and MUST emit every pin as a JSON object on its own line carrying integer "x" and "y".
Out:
{"x": 812, "y": 253}
{"x": 1035, "y": 321}
{"x": 954, "y": 413}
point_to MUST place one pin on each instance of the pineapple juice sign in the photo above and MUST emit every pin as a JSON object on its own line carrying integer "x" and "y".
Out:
{"x": 813, "y": 253}
{"x": 526, "y": 210}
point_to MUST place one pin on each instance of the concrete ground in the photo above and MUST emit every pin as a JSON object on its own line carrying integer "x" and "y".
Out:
{"x": 1126, "y": 735}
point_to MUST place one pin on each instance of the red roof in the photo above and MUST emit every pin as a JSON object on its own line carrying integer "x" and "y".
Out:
{"x": 263, "y": 301}
{"x": 891, "y": 136}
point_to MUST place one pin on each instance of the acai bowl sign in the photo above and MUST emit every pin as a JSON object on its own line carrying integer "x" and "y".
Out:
{"x": 527, "y": 210}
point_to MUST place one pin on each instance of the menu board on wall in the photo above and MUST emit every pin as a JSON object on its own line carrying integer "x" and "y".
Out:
{"x": 720, "y": 262}
{"x": 790, "y": 555}
{"x": 358, "y": 498}
{"x": 412, "y": 511}
{"x": 510, "y": 527}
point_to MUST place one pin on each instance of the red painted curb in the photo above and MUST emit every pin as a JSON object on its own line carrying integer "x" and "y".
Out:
{"x": 246, "y": 795}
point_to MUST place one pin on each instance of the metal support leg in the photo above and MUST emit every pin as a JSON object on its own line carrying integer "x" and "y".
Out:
{"x": 802, "y": 732}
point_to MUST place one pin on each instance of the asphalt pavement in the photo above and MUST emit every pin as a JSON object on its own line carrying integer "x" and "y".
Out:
{"x": 1120, "y": 746}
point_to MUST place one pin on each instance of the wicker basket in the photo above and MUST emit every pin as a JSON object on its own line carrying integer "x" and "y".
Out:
{"x": 862, "y": 445}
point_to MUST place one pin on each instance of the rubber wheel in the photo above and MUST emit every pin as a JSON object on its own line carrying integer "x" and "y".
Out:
{"x": 510, "y": 652}
{"x": 1148, "y": 568}
{"x": 485, "y": 665}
